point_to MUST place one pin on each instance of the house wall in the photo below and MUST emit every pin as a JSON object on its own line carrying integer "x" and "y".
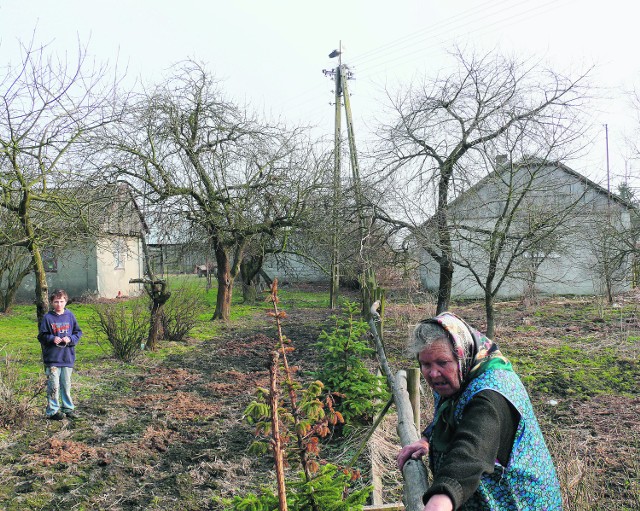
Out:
{"x": 293, "y": 268}
{"x": 76, "y": 274}
{"x": 117, "y": 261}
{"x": 562, "y": 275}
{"x": 90, "y": 269}
{"x": 572, "y": 268}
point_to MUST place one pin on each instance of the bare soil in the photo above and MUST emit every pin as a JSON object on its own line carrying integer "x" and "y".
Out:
{"x": 171, "y": 435}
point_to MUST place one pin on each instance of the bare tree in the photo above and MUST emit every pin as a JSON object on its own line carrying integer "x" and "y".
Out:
{"x": 15, "y": 261}
{"x": 211, "y": 162}
{"x": 14, "y": 267}
{"x": 512, "y": 221}
{"x": 441, "y": 130}
{"x": 48, "y": 108}
{"x": 612, "y": 244}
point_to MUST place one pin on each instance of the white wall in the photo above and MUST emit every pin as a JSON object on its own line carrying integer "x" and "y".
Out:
{"x": 113, "y": 277}
{"x": 573, "y": 269}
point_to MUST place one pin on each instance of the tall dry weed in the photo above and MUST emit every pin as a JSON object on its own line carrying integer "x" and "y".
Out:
{"x": 580, "y": 473}
{"x": 16, "y": 395}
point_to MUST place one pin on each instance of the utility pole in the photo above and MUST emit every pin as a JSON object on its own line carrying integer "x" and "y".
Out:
{"x": 370, "y": 290}
{"x": 337, "y": 191}
{"x": 355, "y": 169}
{"x": 606, "y": 141}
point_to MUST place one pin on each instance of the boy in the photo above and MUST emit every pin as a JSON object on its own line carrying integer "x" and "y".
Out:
{"x": 58, "y": 335}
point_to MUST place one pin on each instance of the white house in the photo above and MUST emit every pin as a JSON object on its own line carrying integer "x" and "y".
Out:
{"x": 101, "y": 265}
{"x": 548, "y": 229}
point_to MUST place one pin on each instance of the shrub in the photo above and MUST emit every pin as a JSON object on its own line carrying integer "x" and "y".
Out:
{"x": 291, "y": 424}
{"x": 181, "y": 312}
{"x": 343, "y": 371}
{"x": 125, "y": 325}
{"x": 15, "y": 396}
{"x": 325, "y": 491}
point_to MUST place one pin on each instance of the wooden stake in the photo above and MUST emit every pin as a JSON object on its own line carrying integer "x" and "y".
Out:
{"x": 275, "y": 431}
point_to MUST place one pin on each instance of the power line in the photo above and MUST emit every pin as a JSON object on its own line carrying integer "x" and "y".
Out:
{"x": 395, "y": 53}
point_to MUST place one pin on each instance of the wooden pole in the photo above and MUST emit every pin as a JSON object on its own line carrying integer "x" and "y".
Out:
{"x": 275, "y": 432}
{"x": 376, "y": 471}
{"x": 337, "y": 193}
{"x": 414, "y": 471}
{"x": 413, "y": 385}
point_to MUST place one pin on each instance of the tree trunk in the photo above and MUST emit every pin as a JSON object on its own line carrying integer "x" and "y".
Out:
{"x": 266, "y": 277}
{"x": 250, "y": 275}
{"x": 13, "y": 284}
{"x": 39, "y": 273}
{"x": 158, "y": 294}
{"x": 489, "y": 294}
{"x": 444, "y": 239}
{"x": 42, "y": 287}
{"x": 444, "y": 286}
{"x": 156, "y": 329}
{"x": 491, "y": 314}
{"x": 225, "y": 286}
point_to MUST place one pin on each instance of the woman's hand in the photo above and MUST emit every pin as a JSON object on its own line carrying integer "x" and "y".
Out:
{"x": 413, "y": 451}
{"x": 439, "y": 502}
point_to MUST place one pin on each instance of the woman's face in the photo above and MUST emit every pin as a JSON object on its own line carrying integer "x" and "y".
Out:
{"x": 439, "y": 368}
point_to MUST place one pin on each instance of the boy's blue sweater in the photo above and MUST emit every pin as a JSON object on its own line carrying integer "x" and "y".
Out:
{"x": 61, "y": 325}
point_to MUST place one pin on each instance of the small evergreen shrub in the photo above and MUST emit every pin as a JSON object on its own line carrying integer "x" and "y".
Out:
{"x": 361, "y": 394}
{"x": 125, "y": 325}
{"x": 325, "y": 491}
{"x": 290, "y": 421}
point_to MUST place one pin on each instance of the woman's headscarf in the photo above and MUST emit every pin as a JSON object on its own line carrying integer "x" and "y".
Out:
{"x": 476, "y": 353}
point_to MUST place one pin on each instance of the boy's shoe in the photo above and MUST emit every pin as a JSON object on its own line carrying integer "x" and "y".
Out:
{"x": 58, "y": 416}
{"x": 71, "y": 414}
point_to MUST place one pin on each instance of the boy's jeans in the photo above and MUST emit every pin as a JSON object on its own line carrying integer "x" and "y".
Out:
{"x": 58, "y": 384}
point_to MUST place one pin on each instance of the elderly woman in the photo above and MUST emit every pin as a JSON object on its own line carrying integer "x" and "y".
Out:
{"x": 485, "y": 446}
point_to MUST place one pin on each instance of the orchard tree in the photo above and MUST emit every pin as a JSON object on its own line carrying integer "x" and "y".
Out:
{"x": 48, "y": 108}
{"x": 613, "y": 243}
{"x": 440, "y": 130}
{"x": 203, "y": 157}
{"x": 506, "y": 227}
{"x": 15, "y": 261}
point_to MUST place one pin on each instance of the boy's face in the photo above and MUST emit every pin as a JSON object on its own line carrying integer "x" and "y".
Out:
{"x": 58, "y": 305}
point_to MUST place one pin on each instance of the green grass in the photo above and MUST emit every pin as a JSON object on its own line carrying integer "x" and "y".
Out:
{"x": 19, "y": 328}
{"x": 574, "y": 371}
{"x": 585, "y": 310}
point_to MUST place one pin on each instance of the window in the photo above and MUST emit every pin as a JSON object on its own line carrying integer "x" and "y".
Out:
{"x": 49, "y": 261}
{"x": 119, "y": 254}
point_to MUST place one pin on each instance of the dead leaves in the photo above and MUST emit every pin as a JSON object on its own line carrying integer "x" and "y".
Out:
{"x": 54, "y": 451}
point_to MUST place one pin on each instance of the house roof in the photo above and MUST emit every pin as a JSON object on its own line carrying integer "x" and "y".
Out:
{"x": 548, "y": 163}
{"x": 539, "y": 161}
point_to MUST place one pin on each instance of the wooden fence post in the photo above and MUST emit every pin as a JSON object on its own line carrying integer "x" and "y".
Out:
{"x": 414, "y": 471}
{"x": 413, "y": 385}
{"x": 376, "y": 471}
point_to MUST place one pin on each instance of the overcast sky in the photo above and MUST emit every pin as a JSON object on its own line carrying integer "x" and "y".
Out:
{"x": 271, "y": 53}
